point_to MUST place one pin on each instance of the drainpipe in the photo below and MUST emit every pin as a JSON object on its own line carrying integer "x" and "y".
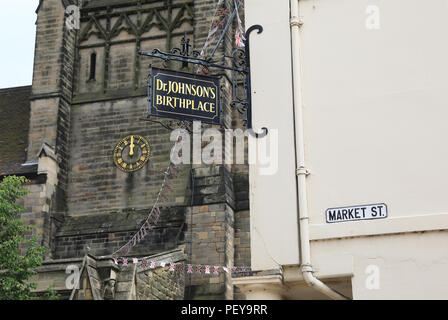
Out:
{"x": 305, "y": 267}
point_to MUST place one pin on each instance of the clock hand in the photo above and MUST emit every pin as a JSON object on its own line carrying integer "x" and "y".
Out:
{"x": 131, "y": 152}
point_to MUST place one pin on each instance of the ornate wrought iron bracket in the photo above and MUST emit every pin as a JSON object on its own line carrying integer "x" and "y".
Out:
{"x": 240, "y": 68}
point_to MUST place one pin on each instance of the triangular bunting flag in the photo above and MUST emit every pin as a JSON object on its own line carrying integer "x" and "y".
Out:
{"x": 222, "y": 12}
{"x": 216, "y": 270}
{"x": 166, "y": 187}
{"x": 126, "y": 248}
{"x": 239, "y": 39}
{"x": 173, "y": 167}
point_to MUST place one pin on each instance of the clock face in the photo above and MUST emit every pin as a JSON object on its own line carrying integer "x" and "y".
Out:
{"x": 131, "y": 153}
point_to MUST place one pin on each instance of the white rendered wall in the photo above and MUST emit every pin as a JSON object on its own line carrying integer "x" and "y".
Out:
{"x": 375, "y": 124}
{"x": 274, "y": 236}
{"x": 375, "y": 132}
{"x": 376, "y": 105}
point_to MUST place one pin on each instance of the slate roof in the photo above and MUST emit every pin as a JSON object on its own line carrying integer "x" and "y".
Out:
{"x": 14, "y": 127}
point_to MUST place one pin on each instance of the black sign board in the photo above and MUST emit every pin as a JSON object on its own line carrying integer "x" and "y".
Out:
{"x": 184, "y": 96}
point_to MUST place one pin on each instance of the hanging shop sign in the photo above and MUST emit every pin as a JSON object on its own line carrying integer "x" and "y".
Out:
{"x": 355, "y": 213}
{"x": 184, "y": 96}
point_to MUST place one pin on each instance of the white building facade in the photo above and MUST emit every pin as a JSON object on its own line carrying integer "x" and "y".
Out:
{"x": 357, "y": 90}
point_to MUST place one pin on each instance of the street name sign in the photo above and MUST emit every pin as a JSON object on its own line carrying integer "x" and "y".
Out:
{"x": 355, "y": 213}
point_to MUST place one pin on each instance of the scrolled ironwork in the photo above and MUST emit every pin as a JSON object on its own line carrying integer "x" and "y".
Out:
{"x": 239, "y": 66}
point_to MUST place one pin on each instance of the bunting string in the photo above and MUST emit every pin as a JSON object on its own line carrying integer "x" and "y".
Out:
{"x": 205, "y": 269}
{"x": 223, "y": 15}
{"x": 239, "y": 33}
{"x": 154, "y": 214}
{"x": 214, "y": 26}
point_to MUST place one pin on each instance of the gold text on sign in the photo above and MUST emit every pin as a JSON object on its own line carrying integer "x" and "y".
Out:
{"x": 175, "y": 102}
{"x": 186, "y": 89}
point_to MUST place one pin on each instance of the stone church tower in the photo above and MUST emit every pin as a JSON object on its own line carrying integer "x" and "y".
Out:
{"x": 89, "y": 91}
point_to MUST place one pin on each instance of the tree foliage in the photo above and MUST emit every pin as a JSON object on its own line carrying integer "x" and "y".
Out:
{"x": 19, "y": 256}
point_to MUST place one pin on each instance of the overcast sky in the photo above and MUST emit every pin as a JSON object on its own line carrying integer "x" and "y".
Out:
{"x": 17, "y": 30}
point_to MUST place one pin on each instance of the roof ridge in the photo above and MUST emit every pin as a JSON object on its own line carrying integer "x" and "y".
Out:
{"x": 15, "y": 88}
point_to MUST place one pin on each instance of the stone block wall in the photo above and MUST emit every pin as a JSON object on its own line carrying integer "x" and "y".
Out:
{"x": 116, "y": 33}
{"x": 160, "y": 284}
{"x": 50, "y": 110}
{"x": 43, "y": 125}
{"x": 94, "y": 207}
{"x": 96, "y": 185}
{"x": 49, "y": 41}
{"x": 38, "y": 205}
{"x": 209, "y": 239}
{"x": 34, "y": 204}
{"x": 52, "y": 79}
{"x": 104, "y": 234}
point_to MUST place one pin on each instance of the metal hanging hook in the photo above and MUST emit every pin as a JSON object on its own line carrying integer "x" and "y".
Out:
{"x": 249, "y": 84}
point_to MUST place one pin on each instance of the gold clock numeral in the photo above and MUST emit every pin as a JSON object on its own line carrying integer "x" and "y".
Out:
{"x": 139, "y": 147}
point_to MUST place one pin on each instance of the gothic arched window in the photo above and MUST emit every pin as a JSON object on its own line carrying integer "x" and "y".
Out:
{"x": 92, "y": 66}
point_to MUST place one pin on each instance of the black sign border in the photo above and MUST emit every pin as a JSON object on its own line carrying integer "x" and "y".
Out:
{"x": 361, "y": 205}
{"x": 152, "y": 111}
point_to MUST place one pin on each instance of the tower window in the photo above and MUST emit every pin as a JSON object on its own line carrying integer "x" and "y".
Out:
{"x": 92, "y": 66}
